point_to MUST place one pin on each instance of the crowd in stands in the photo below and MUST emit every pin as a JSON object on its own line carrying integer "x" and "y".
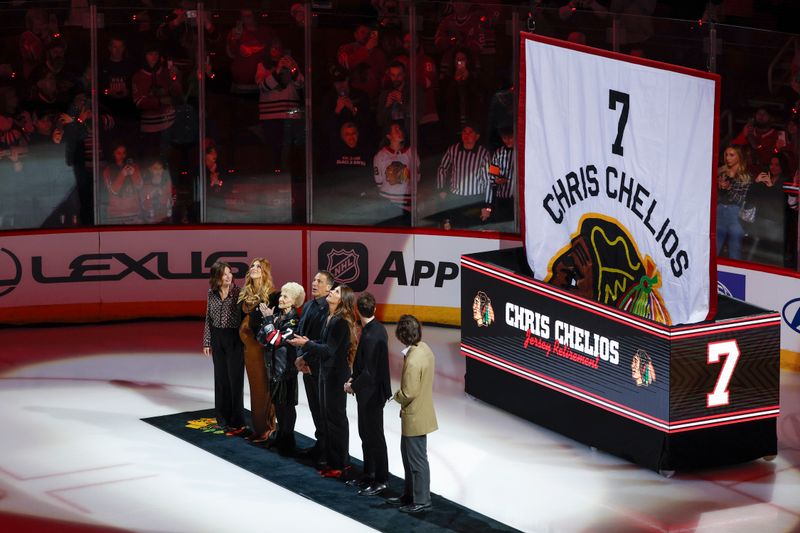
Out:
{"x": 148, "y": 77}
{"x": 757, "y": 191}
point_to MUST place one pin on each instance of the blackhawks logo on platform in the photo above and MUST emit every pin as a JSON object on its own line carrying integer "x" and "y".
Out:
{"x": 206, "y": 425}
{"x": 482, "y": 310}
{"x": 642, "y": 370}
{"x": 602, "y": 263}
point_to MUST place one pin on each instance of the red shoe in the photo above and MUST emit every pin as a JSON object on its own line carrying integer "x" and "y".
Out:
{"x": 335, "y": 473}
{"x": 258, "y": 439}
{"x": 232, "y": 432}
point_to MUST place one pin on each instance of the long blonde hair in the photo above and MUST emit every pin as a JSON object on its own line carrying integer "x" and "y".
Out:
{"x": 741, "y": 175}
{"x": 252, "y": 295}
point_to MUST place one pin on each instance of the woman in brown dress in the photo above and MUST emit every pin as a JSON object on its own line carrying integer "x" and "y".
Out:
{"x": 256, "y": 296}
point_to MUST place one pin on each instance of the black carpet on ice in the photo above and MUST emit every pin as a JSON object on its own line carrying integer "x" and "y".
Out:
{"x": 301, "y": 478}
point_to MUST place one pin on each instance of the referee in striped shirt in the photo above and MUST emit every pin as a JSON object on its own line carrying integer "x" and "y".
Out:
{"x": 501, "y": 178}
{"x": 462, "y": 178}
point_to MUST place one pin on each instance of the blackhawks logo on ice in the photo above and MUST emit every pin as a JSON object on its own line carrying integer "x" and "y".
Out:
{"x": 206, "y": 425}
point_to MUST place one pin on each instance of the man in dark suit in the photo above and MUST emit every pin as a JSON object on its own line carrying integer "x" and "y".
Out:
{"x": 371, "y": 385}
{"x": 313, "y": 316}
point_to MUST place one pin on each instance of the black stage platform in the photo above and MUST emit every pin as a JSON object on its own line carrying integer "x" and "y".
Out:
{"x": 665, "y": 397}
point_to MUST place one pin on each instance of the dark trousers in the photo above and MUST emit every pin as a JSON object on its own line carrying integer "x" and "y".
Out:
{"x": 287, "y": 416}
{"x": 333, "y": 406}
{"x": 311, "y": 384}
{"x": 373, "y": 441}
{"x": 286, "y": 412}
{"x": 227, "y": 353}
{"x": 417, "y": 471}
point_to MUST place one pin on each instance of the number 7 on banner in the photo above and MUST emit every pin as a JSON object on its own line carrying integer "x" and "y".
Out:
{"x": 625, "y": 100}
{"x": 719, "y": 396}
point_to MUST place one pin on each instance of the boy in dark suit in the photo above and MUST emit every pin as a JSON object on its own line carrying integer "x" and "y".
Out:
{"x": 371, "y": 385}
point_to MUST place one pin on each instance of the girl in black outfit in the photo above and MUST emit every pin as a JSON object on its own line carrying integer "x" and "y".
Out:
{"x": 335, "y": 351}
{"x": 276, "y": 329}
{"x": 221, "y": 343}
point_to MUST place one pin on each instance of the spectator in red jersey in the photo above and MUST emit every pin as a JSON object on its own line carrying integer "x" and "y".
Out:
{"x": 246, "y": 45}
{"x": 364, "y": 59}
{"x": 763, "y": 139}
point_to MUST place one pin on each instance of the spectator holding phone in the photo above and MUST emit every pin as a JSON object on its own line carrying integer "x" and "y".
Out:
{"x": 766, "y": 196}
{"x": 364, "y": 59}
{"x": 155, "y": 87}
{"x": 280, "y": 105}
{"x": 344, "y": 103}
{"x": 462, "y": 95}
{"x": 123, "y": 182}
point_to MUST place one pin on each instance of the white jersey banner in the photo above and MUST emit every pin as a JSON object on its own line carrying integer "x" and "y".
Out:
{"x": 618, "y": 179}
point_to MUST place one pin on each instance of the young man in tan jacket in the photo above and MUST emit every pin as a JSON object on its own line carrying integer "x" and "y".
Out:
{"x": 417, "y": 416}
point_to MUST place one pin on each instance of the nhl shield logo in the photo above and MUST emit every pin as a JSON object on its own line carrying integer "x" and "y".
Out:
{"x": 347, "y": 262}
{"x": 343, "y": 264}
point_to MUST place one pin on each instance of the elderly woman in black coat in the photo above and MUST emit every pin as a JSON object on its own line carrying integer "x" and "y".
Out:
{"x": 278, "y": 326}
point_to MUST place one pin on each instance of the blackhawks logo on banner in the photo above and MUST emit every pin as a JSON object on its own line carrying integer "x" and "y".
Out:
{"x": 206, "y": 425}
{"x": 603, "y": 263}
